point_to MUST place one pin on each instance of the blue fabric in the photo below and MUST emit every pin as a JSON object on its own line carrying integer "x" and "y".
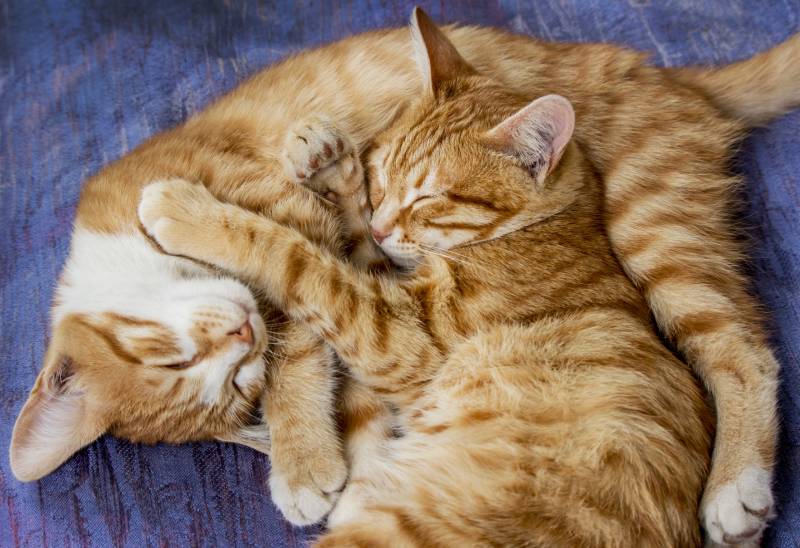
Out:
{"x": 82, "y": 83}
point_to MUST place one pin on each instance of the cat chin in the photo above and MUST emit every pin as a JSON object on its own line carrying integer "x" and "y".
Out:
{"x": 250, "y": 374}
{"x": 404, "y": 262}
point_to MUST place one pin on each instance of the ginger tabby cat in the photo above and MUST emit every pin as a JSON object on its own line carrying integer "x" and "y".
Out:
{"x": 538, "y": 405}
{"x": 124, "y": 355}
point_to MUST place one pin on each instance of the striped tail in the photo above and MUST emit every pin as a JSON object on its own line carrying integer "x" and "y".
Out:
{"x": 755, "y": 90}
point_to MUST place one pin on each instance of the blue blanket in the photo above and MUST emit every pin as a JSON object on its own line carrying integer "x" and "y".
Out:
{"x": 82, "y": 83}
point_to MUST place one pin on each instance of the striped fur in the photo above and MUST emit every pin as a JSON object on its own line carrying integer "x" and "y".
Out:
{"x": 364, "y": 83}
{"x": 515, "y": 392}
{"x": 536, "y": 410}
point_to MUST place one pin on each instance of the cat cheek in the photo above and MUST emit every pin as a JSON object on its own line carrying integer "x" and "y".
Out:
{"x": 431, "y": 236}
{"x": 447, "y": 239}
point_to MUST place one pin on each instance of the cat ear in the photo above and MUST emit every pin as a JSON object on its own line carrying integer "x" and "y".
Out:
{"x": 54, "y": 423}
{"x": 536, "y": 135}
{"x": 437, "y": 58}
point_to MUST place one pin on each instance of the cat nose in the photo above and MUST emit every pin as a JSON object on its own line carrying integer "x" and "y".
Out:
{"x": 244, "y": 333}
{"x": 379, "y": 235}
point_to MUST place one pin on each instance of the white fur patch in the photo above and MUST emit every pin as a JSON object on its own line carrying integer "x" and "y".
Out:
{"x": 467, "y": 216}
{"x": 214, "y": 373}
{"x": 250, "y": 373}
{"x": 739, "y": 511}
{"x": 124, "y": 274}
{"x": 301, "y": 506}
{"x": 445, "y": 239}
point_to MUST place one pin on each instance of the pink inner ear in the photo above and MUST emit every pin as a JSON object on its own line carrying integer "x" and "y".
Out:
{"x": 562, "y": 116}
{"x": 53, "y": 424}
{"x": 48, "y": 431}
{"x": 537, "y": 134}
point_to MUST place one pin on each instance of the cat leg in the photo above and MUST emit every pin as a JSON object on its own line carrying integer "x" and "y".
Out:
{"x": 668, "y": 226}
{"x": 308, "y": 467}
{"x": 310, "y": 147}
{"x": 378, "y": 327}
{"x": 271, "y": 194}
{"x": 367, "y": 427}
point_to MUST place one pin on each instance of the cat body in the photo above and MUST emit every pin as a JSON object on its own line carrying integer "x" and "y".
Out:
{"x": 363, "y": 84}
{"x": 536, "y": 403}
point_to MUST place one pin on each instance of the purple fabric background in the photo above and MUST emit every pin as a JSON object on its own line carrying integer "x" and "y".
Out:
{"x": 82, "y": 83}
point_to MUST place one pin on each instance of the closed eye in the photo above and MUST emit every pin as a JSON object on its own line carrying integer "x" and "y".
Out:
{"x": 422, "y": 200}
{"x": 179, "y": 366}
{"x": 375, "y": 190}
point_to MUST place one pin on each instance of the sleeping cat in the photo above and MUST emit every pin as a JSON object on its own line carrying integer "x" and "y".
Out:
{"x": 538, "y": 406}
{"x": 632, "y": 129}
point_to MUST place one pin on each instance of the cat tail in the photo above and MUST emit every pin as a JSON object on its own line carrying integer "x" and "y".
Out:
{"x": 755, "y": 90}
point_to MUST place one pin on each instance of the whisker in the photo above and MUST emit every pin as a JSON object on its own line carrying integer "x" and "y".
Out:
{"x": 455, "y": 257}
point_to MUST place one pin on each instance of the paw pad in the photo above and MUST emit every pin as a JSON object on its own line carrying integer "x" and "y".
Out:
{"x": 311, "y": 146}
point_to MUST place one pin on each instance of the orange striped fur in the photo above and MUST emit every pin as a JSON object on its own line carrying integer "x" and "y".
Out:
{"x": 533, "y": 263}
{"x": 525, "y": 392}
{"x": 636, "y": 124}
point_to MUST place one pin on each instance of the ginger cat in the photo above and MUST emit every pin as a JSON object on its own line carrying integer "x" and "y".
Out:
{"x": 538, "y": 406}
{"x": 528, "y": 342}
{"x": 635, "y": 121}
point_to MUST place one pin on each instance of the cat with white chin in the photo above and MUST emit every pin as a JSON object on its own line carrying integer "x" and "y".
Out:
{"x": 155, "y": 348}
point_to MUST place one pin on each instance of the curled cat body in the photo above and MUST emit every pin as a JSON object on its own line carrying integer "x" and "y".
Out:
{"x": 537, "y": 404}
{"x": 665, "y": 214}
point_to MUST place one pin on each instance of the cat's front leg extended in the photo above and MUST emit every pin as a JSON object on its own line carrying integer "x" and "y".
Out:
{"x": 308, "y": 465}
{"x": 376, "y": 326}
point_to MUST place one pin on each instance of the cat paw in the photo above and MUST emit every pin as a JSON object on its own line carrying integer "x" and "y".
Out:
{"x": 315, "y": 144}
{"x": 311, "y": 145}
{"x": 171, "y": 212}
{"x": 737, "y": 513}
{"x": 307, "y": 496}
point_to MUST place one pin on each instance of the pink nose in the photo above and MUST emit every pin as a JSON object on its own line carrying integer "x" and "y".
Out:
{"x": 380, "y": 235}
{"x": 244, "y": 333}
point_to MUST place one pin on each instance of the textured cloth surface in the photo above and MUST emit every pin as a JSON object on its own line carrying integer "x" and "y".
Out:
{"x": 82, "y": 83}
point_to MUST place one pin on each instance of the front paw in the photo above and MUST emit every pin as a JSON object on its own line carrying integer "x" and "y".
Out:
{"x": 736, "y": 513}
{"x": 306, "y": 492}
{"x": 173, "y": 212}
{"x": 320, "y": 156}
{"x": 311, "y": 145}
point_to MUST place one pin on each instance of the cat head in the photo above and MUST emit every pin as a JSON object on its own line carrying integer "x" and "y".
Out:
{"x": 469, "y": 161}
{"x": 144, "y": 346}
